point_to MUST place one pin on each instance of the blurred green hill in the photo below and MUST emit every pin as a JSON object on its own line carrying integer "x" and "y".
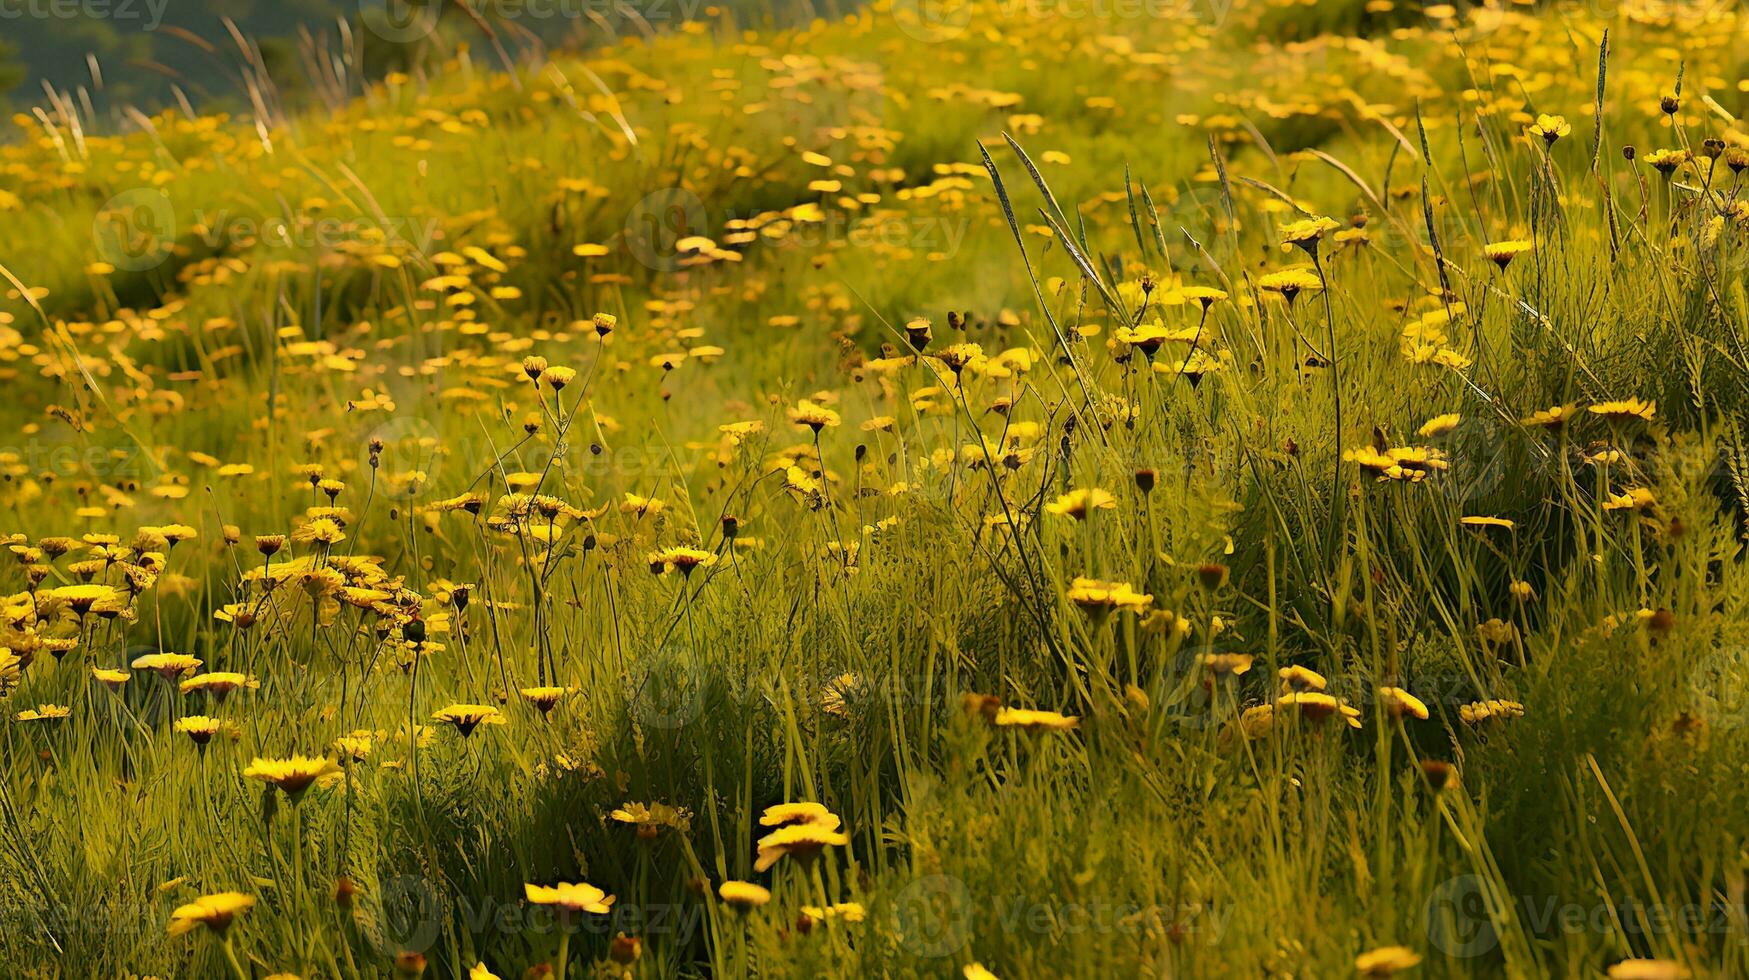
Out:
{"x": 137, "y": 51}
{"x": 151, "y": 54}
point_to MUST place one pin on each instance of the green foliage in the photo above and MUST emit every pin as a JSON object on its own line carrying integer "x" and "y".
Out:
{"x": 225, "y": 302}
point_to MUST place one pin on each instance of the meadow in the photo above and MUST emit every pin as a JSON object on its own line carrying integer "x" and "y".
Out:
{"x": 1014, "y": 488}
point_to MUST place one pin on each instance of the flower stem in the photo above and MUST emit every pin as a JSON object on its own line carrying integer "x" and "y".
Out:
{"x": 564, "y": 953}
{"x": 231, "y": 957}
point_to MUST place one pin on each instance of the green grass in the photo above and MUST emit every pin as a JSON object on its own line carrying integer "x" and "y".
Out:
{"x": 1153, "y": 838}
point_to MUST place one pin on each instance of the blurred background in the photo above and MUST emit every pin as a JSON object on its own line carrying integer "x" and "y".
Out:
{"x": 154, "y": 54}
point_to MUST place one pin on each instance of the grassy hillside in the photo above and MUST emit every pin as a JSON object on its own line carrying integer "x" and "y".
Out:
{"x": 1172, "y": 491}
